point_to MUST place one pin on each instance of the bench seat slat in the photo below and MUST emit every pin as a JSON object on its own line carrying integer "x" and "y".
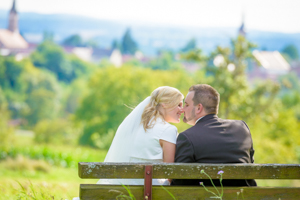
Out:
{"x": 92, "y": 191}
{"x": 98, "y": 170}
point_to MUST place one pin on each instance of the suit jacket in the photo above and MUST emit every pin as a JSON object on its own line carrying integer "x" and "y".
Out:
{"x": 215, "y": 140}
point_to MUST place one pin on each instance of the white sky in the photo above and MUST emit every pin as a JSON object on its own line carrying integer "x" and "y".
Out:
{"x": 267, "y": 15}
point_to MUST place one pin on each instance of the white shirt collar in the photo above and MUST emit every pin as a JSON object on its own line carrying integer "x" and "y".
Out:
{"x": 198, "y": 120}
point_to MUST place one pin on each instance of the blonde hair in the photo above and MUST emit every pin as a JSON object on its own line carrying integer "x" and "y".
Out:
{"x": 166, "y": 95}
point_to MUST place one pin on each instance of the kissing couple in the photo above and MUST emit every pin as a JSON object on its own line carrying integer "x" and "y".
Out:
{"x": 146, "y": 135}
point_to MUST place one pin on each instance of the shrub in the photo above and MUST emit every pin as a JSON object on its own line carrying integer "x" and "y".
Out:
{"x": 57, "y": 131}
{"x": 21, "y": 163}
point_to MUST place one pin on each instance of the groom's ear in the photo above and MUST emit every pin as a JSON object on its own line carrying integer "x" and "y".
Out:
{"x": 199, "y": 108}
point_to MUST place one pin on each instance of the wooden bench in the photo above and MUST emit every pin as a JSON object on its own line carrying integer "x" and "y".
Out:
{"x": 98, "y": 170}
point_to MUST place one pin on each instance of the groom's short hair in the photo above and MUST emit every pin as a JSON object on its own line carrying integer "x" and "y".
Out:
{"x": 207, "y": 96}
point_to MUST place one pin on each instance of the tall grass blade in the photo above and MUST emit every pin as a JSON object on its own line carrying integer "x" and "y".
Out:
{"x": 168, "y": 192}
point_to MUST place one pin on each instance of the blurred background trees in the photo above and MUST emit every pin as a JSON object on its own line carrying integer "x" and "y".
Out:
{"x": 291, "y": 51}
{"x": 128, "y": 45}
{"x": 67, "y": 101}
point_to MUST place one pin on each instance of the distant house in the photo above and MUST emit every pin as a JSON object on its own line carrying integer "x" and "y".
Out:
{"x": 272, "y": 64}
{"x": 96, "y": 54}
{"x": 11, "y": 42}
{"x": 114, "y": 56}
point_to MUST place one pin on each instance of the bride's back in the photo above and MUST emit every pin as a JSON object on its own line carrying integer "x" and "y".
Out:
{"x": 146, "y": 144}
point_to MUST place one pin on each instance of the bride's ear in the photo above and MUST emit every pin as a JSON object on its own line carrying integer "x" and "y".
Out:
{"x": 163, "y": 105}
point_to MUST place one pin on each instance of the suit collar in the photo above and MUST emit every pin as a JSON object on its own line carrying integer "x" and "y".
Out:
{"x": 207, "y": 117}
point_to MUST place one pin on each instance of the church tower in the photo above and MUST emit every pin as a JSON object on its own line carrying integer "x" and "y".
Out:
{"x": 242, "y": 27}
{"x": 13, "y": 19}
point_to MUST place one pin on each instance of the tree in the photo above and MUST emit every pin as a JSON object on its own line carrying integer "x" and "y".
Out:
{"x": 114, "y": 90}
{"x": 57, "y": 131}
{"x": 10, "y": 71}
{"x": 73, "y": 40}
{"x": 50, "y": 56}
{"x": 48, "y": 36}
{"x": 128, "y": 45}
{"x": 225, "y": 69}
{"x": 190, "y": 45}
{"x": 292, "y": 51}
{"x": 6, "y": 132}
{"x": 290, "y": 92}
{"x": 43, "y": 96}
{"x": 257, "y": 103}
{"x": 164, "y": 62}
{"x": 91, "y": 43}
{"x": 115, "y": 44}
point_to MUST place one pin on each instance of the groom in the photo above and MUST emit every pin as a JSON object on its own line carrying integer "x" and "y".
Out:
{"x": 211, "y": 139}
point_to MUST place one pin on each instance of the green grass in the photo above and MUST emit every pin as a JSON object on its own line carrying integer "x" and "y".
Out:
{"x": 39, "y": 171}
{"x": 65, "y": 156}
{"x": 60, "y": 182}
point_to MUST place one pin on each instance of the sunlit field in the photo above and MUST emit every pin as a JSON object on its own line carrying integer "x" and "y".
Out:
{"x": 34, "y": 173}
{"x": 30, "y": 172}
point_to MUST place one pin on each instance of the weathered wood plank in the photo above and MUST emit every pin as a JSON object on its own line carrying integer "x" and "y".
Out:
{"x": 97, "y": 170}
{"x": 93, "y": 192}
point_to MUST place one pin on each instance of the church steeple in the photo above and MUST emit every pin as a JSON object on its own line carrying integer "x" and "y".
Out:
{"x": 242, "y": 27}
{"x": 13, "y": 19}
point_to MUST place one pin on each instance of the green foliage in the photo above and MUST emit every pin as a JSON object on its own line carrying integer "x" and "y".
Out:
{"x": 6, "y": 132}
{"x": 20, "y": 81}
{"x": 292, "y": 51}
{"x": 64, "y": 156}
{"x": 122, "y": 196}
{"x": 169, "y": 192}
{"x": 195, "y": 55}
{"x": 34, "y": 193}
{"x": 80, "y": 68}
{"x": 99, "y": 97}
{"x": 73, "y": 95}
{"x": 21, "y": 163}
{"x": 73, "y": 40}
{"x": 103, "y": 141}
{"x": 92, "y": 43}
{"x": 227, "y": 67}
{"x": 290, "y": 92}
{"x": 48, "y": 36}
{"x": 272, "y": 120}
{"x": 115, "y": 44}
{"x": 42, "y": 104}
{"x": 218, "y": 195}
{"x": 165, "y": 61}
{"x": 10, "y": 71}
{"x": 111, "y": 89}
{"x": 191, "y": 45}
{"x": 50, "y": 56}
{"x": 58, "y": 131}
{"x": 275, "y": 137}
{"x": 76, "y": 41}
{"x": 128, "y": 45}
{"x": 43, "y": 96}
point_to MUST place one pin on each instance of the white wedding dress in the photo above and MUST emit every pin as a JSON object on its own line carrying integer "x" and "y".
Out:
{"x": 133, "y": 144}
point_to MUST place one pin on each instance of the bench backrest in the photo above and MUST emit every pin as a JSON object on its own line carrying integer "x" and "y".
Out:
{"x": 98, "y": 170}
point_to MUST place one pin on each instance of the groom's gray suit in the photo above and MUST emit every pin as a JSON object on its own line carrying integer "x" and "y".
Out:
{"x": 215, "y": 140}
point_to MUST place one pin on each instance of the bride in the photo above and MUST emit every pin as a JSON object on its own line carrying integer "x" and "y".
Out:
{"x": 145, "y": 135}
